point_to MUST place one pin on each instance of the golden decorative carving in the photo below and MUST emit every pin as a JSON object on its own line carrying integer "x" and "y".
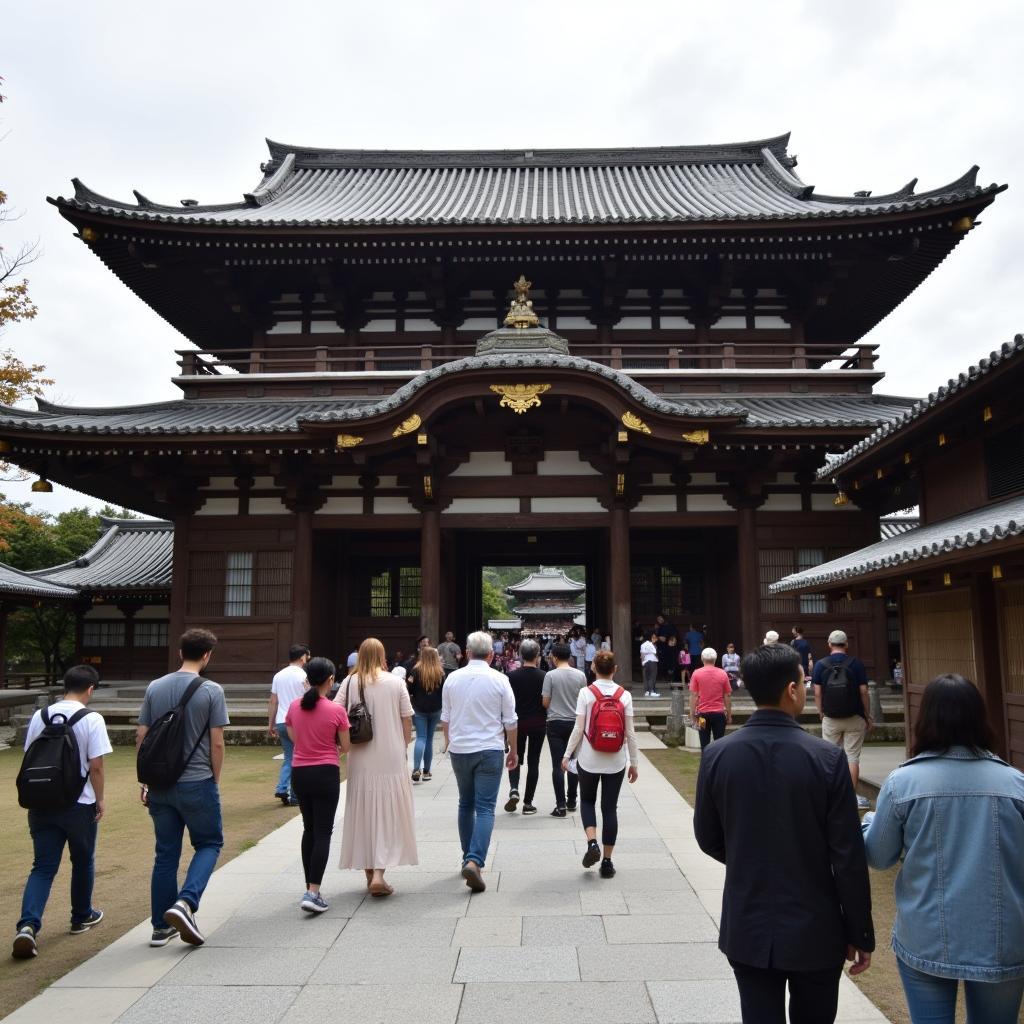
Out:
{"x": 407, "y": 426}
{"x": 347, "y": 441}
{"x": 633, "y": 422}
{"x": 428, "y": 487}
{"x": 841, "y": 499}
{"x": 697, "y": 436}
{"x": 620, "y": 485}
{"x": 521, "y": 314}
{"x": 520, "y": 397}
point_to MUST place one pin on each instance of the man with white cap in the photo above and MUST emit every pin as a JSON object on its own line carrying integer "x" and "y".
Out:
{"x": 841, "y": 697}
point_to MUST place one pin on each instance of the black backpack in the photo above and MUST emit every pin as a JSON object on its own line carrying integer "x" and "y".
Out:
{"x": 161, "y": 758}
{"x": 50, "y": 777}
{"x": 836, "y": 683}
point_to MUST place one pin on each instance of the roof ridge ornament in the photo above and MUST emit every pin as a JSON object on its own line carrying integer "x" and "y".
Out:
{"x": 521, "y": 315}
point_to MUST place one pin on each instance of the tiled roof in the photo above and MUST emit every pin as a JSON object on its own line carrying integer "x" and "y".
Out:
{"x": 131, "y": 554}
{"x": 893, "y": 526}
{"x": 980, "y": 526}
{"x": 15, "y": 583}
{"x": 1010, "y": 350}
{"x": 752, "y": 181}
{"x": 547, "y": 581}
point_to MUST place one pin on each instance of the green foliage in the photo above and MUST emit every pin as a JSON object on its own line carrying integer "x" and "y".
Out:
{"x": 494, "y": 603}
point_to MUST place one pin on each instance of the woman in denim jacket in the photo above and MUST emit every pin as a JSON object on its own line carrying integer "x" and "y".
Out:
{"x": 955, "y": 813}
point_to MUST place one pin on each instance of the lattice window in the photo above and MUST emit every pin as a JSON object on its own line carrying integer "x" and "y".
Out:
{"x": 150, "y": 634}
{"x": 103, "y": 634}
{"x": 772, "y": 565}
{"x": 1011, "y": 627}
{"x": 808, "y": 558}
{"x": 238, "y": 584}
{"x": 205, "y": 597}
{"x": 385, "y": 591}
{"x": 1004, "y": 462}
{"x": 380, "y": 593}
{"x": 273, "y": 584}
{"x": 671, "y": 592}
{"x": 409, "y": 590}
{"x": 939, "y": 632}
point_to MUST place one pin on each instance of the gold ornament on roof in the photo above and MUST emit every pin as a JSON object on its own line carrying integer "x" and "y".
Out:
{"x": 407, "y": 426}
{"x": 633, "y": 422}
{"x": 521, "y": 315}
{"x": 347, "y": 441}
{"x": 697, "y": 436}
{"x": 520, "y": 397}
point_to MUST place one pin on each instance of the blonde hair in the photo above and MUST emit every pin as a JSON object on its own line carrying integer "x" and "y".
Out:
{"x": 370, "y": 662}
{"x": 428, "y": 669}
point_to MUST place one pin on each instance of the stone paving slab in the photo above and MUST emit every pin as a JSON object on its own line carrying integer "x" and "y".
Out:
{"x": 547, "y": 942}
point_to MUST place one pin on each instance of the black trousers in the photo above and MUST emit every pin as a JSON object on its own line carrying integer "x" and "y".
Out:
{"x": 529, "y": 743}
{"x": 715, "y": 726}
{"x": 559, "y": 732}
{"x": 813, "y": 995}
{"x": 318, "y": 787}
{"x": 610, "y": 785}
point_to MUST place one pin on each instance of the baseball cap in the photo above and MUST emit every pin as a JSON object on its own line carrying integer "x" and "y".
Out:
{"x": 837, "y": 637}
{"x": 352, "y": 659}
{"x": 771, "y": 637}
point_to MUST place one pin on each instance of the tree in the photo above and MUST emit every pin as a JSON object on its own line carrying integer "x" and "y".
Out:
{"x": 494, "y": 605}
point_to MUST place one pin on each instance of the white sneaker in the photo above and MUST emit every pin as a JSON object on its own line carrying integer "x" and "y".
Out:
{"x": 653, "y": 694}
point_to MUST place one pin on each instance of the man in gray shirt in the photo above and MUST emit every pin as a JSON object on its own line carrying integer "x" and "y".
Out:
{"x": 193, "y": 802}
{"x": 562, "y": 687}
{"x": 450, "y": 653}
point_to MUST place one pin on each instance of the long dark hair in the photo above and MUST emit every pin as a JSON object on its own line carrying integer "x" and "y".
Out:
{"x": 318, "y": 671}
{"x": 952, "y": 715}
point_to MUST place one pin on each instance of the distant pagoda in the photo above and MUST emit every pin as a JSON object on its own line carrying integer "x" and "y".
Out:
{"x": 547, "y": 602}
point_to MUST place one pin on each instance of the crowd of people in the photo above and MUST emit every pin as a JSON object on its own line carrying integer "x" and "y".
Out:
{"x": 952, "y": 815}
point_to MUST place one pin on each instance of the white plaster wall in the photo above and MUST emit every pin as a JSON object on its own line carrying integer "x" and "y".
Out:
{"x": 707, "y": 503}
{"x": 263, "y": 483}
{"x": 661, "y": 479}
{"x": 153, "y": 611}
{"x": 703, "y": 479}
{"x": 219, "y": 483}
{"x": 566, "y": 505}
{"x": 396, "y": 505}
{"x": 496, "y": 505}
{"x": 485, "y": 464}
{"x": 387, "y": 481}
{"x": 267, "y": 507}
{"x": 657, "y": 503}
{"x": 219, "y": 507}
{"x": 346, "y": 482}
{"x": 339, "y": 506}
{"x": 564, "y": 464}
{"x": 782, "y": 503}
{"x": 105, "y": 613}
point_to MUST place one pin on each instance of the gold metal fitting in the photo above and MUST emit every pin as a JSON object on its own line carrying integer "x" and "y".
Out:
{"x": 421, "y": 439}
{"x": 42, "y": 486}
{"x": 997, "y": 571}
{"x": 5, "y": 446}
{"x": 947, "y": 580}
{"x": 942, "y": 440}
{"x": 878, "y": 592}
{"x": 963, "y": 224}
{"x": 88, "y": 235}
{"x": 841, "y": 499}
{"x": 910, "y": 586}
{"x": 986, "y": 414}
{"x": 906, "y": 459}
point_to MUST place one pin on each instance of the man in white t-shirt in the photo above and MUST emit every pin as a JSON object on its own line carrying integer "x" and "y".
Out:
{"x": 74, "y": 826}
{"x": 289, "y": 685}
{"x": 649, "y": 664}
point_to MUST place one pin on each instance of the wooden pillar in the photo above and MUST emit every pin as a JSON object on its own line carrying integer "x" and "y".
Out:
{"x": 621, "y": 624}
{"x": 430, "y": 574}
{"x": 987, "y": 656}
{"x": 749, "y": 593}
{"x": 179, "y": 590}
{"x": 302, "y": 575}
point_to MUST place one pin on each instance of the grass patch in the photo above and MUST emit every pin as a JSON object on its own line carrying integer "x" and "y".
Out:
{"x": 124, "y": 859}
{"x": 881, "y": 982}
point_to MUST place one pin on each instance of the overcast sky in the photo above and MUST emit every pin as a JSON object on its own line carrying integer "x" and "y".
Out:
{"x": 176, "y": 99}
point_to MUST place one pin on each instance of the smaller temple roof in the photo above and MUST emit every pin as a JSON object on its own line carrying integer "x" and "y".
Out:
{"x": 547, "y": 580}
{"x": 955, "y": 386}
{"x": 131, "y": 554}
{"x": 997, "y": 522}
{"x": 17, "y": 584}
{"x": 893, "y": 526}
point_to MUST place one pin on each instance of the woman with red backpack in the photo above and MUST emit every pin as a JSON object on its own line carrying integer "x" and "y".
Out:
{"x": 605, "y": 746}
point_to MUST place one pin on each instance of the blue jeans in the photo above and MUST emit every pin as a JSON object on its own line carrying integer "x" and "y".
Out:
{"x": 191, "y": 805}
{"x": 932, "y": 1000}
{"x": 50, "y": 830}
{"x": 426, "y": 726}
{"x": 479, "y": 778}
{"x": 284, "y": 780}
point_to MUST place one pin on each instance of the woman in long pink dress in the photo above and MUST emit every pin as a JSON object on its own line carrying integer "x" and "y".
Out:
{"x": 379, "y": 830}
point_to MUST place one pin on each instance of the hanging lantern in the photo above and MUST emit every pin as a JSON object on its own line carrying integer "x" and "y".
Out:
{"x": 42, "y": 486}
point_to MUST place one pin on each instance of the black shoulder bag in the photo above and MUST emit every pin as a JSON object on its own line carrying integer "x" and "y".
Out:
{"x": 360, "y": 721}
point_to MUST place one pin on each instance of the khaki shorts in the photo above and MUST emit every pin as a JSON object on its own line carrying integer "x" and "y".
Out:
{"x": 847, "y": 733}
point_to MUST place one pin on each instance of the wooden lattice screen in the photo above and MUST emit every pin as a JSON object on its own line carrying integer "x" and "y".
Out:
{"x": 939, "y": 634}
{"x": 1011, "y": 615}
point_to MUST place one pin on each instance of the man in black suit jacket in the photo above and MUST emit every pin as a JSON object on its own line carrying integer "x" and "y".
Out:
{"x": 777, "y": 807}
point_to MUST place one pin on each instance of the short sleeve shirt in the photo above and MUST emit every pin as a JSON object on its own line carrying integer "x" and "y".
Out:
{"x": 206, "y": 710}
{"x": 712, "y": 687}
{"x": 858, "y": 677}
{"x": 90, "y": 732}
{"x": 562, "y": 686}
{"x": 316, "y": 731}
{"x": 450, "y": 653}
{"x": 289, "y": 684}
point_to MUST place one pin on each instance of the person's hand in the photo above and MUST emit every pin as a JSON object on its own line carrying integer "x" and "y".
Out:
{"x": 728, "y": 719}
{"x": 271, "y": 731}
{"x": 861, "y": 960}
{"x": 144, "y": 795}
{"x": 869, "y": 724}
{"x": 512, "y": 761}
{"x": 99, "y": 810}
{"x": 565, "y": 764}
{"x": 633, "y": 773}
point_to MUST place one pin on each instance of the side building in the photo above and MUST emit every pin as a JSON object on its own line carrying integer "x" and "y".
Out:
{"x": 363, "y": 425}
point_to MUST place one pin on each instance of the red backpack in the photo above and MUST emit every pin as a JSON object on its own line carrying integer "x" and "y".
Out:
{"x": 607, "y": 729}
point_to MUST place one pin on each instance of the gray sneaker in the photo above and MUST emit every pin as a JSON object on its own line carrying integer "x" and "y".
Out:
{"x": 161, "y": 936}
{"x": 863, "y": 803}
{"x": 24, "y": 947}
{"x": 180, "y": 917}
{"x": 314, "y": 903}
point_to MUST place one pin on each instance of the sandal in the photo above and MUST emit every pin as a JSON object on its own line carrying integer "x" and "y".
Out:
{"x": 381, "y": 889}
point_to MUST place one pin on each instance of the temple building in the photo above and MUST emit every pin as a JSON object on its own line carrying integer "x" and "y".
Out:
{"x": 370, "y": 411}
{"x": 547, "y": 603}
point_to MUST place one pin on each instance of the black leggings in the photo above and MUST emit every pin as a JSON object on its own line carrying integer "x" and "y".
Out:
{"x": 536, "y": 743}
{"x": 610, "y": 786}
{"x": 318, "y": 787}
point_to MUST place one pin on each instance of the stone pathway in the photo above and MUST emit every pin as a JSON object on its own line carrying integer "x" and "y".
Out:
{"x": 547, "y": 941}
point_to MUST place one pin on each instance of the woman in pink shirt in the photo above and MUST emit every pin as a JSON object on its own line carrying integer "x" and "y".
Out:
{"x": 319, "y": 729}
{"x": 711, "y": 703}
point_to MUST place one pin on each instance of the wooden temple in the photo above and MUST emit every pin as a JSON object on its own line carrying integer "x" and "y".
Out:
{"x": 370, "y": 412}
{"x": 546, "y": 603}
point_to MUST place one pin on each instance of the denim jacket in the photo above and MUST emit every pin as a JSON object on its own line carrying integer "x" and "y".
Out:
{"x": 957, "y": 819}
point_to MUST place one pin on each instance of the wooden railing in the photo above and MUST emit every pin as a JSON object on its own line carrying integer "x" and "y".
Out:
{"x": 411, "y": 359}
